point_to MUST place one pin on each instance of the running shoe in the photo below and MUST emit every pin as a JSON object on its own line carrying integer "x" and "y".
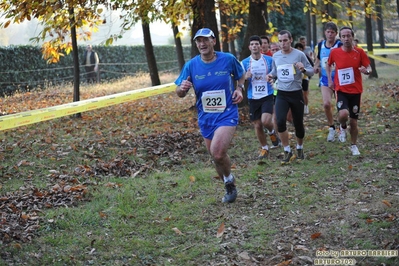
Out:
{"x": 355, "y": 150}
{"x": 288, "y": 157}
{"x": 263, "y": 154}
{"x": 300, "y": 156}
{"x": 306, "y": 110}
{"x": 276, "y": 142}
{"x": 342, "y": 135}
{"x": 231, "y": 192}
{"x": 331, "y": 134}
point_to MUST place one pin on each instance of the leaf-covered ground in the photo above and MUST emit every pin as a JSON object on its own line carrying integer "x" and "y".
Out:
{"x": 163, "y": 136}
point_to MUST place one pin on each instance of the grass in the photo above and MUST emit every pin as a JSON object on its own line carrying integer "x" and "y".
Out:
{"x": 153, "y": 200}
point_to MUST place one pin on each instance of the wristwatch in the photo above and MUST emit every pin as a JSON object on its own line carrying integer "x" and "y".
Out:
{"x": 241, "y": 86}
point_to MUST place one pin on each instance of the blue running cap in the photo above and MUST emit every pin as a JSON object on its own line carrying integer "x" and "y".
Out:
{"x": 204, "y": 32}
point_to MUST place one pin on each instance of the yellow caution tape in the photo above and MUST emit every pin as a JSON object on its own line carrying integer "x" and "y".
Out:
{"x": 381, "y": 51}
{"x": 383, "y": 59}
{"x": 35, "y": 116}
{"x": 387, "y": 45}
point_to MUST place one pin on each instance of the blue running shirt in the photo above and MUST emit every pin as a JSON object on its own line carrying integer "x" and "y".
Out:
{"x": 214, "y": 85}
{"x": 323, "y": 57}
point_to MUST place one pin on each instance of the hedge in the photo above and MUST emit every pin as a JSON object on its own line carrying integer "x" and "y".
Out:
{"x": 23, "y": 67}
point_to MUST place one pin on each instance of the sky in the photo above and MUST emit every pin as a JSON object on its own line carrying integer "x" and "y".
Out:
{"x": 161, "y": 33}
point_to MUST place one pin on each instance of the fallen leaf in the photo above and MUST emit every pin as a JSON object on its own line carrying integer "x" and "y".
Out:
{"x": 387, "y": 203}
{"x": 244, "y": 255}
{"x": 177, "y": 231}
{"x": 301, "y": 247}
{"x": 284, "y": 263}
{"x": 390, "y": 218}
{"x": 192, "y": 178}
{"x": 220, "y": 230}
{"x": 67, "y": 188}
{"x": 315, "y": 235}
{"x": 307, "y": 259}
{"x": 54, "y": 172}
{"x": 56, "y": 187}
{"x": 109, "y": 184}
{"x": 24, "y": 163}
{"x": 369, "y": 221}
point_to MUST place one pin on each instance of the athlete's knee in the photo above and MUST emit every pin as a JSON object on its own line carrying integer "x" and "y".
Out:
{"x": 344, "y": 113}
{"x": 299, "y": 130}
{"x": 268, "y": 124}
{"x": 281, "y": 125}
{"x": 257, "y": 125}
{"x": 219, "y": 157}
{"x": 327, "y": 105}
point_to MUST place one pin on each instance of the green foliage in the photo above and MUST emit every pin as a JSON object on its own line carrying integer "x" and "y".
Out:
{"x": 57, "y": 17}
{"x": 293, "y": 19}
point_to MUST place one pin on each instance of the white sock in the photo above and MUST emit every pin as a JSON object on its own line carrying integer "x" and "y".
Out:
{"x": 287, "y": 148}
{"x": 228, "y": 179}
{"x": 299, "y": 147}
{"x": 265, "y": 147}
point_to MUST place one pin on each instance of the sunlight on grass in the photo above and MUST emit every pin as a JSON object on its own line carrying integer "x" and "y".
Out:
{"x": 62, "y": 94}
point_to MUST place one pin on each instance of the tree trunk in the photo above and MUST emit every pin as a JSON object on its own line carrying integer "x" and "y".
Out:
{"x": 149, "y": 52}
{"x": 369, "y": 39}
{"x": 211, "y": 22}
{"x": 204, "y": 17}
{"x": 257, "y": 24}
{"x": 373, "y": 33}
{"x": 349, "y": 5}
{"x": 330, "y": 9}
{"x": 224, "y": 29}
{"x": 179, "y": 47}
{"x": 308, "y": 28}
{"x": 380, "y": 23}
{"x": 197, "y": 24}
{"x": 75, "y": 55}
{"x": 314, "y": 31}
{"x": 232, "y": 48}
{"x": 232, "y": 41}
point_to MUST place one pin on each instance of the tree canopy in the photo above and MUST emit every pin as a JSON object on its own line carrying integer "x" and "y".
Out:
{"x": 55, "y": 15}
